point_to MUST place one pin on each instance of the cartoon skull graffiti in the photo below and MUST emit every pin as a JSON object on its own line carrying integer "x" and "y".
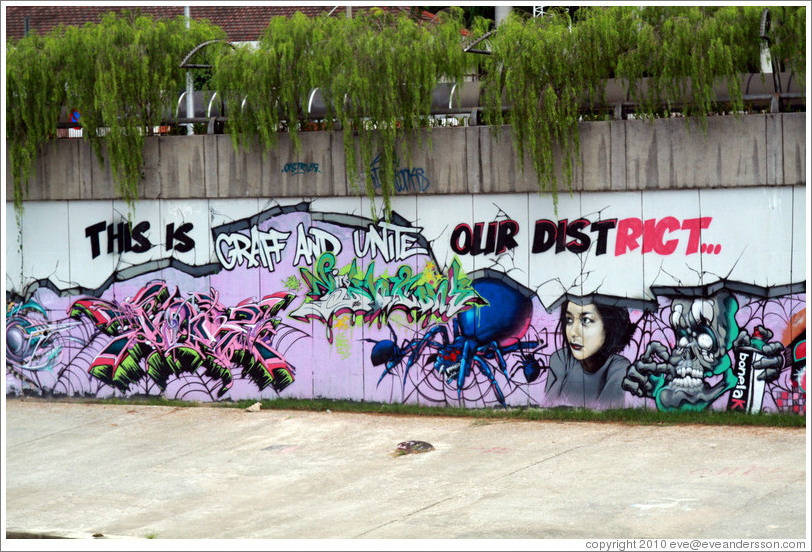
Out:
{"x": 698, "y": 370}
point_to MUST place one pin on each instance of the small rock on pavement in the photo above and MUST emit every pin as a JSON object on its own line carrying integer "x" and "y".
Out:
{"x": 413, "y": 447}
{"x": 254, "y": 407}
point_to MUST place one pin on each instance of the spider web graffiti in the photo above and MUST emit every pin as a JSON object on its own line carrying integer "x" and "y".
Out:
{"x": 472, "y": 357}
{"x": 45, "y": 352}
{"x": 155, "y": 343}
{"x": 525, "y": 368}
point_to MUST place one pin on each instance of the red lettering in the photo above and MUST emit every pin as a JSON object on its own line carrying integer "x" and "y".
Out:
{"x": 737, "y": 404}
{"x": 628, "y": 232}
{"x": 654, "y": 234}
{"x": 648, "y": 235}
{"x": 695, "y": 226}
{"x": 669, "y": 224}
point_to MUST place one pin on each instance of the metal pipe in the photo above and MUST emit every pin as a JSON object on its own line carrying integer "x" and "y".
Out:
{"x": 500, "y": 13}
{"x": 755, "y": 91}
{"x": 190, "y": 87}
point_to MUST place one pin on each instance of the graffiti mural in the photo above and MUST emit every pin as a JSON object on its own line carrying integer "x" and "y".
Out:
{"x": 587, "y": 370}
{"x": 157, "y": 334}
{"x": 482, "y": 338}
{"x": 699, "y": 369}
{"x": 422, "y": 297}
{"x": 656, "y": 300}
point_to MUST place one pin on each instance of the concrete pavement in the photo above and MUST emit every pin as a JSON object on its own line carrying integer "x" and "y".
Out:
{"x": 220, "y": 473}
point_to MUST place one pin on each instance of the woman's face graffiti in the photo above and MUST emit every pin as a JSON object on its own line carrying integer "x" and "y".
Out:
{"x": 584, "y": 330}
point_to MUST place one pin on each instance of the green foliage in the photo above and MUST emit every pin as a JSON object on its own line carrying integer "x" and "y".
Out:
{"x": 698, "y": 45}
{"x": 122, "y": 75}
{"x": 384, "y": 71}
{"x": 546, "y": 69}
{"x": 34, "y": 97}
{"x": 534, "y": 71}
{"x": 377, "y": 72}
{"x": 481, "y": 416}
{"x": 788, "y": 39}
{"x": 263, "y": 87}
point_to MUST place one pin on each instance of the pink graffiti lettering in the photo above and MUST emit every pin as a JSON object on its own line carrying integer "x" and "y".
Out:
{"x": 653, "y": 233}
{"x": 159, "y": 334}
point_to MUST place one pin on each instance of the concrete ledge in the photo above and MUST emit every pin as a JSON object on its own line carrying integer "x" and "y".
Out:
{"x": 752, "y": 150}
{"x": 793, "y": 139}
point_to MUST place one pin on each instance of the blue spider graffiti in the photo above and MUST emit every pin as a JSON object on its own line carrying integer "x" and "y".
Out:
{"x": 481, "y": 335}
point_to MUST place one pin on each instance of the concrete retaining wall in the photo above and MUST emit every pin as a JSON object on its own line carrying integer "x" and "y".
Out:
{"x": 754, "y": 150}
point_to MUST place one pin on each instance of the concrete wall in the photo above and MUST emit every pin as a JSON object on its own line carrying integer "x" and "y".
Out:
{"x": 755, "y": 150}
{"x": 673, "y": 278}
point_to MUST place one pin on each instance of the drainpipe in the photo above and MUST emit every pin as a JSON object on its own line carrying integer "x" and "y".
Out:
{"x": 768, "y": 66}
{"x": 190, "y": 90}
{"x": 501, "y": 13}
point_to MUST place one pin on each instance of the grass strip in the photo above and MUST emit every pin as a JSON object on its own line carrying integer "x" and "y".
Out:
{"x": 638, "y": 416}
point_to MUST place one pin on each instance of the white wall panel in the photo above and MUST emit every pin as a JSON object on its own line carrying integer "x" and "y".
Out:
{"x": 669, "y": 244}
{"x": 233, "y": 286}
{"x": 506, "y": 216}
{"x": 604, "y": 271}
{"x": 180, "y": 214}
{"x": 800, "y": 233}
{"x": 46, "y": 243}
{"x": 750, "y": 239}
{"x": 145, "y": 216}
{"x": 224, "y": 211}
{"x": 438, "y": 216}
{"x": 13, "y": 253}
{"x": 88, "y": 222}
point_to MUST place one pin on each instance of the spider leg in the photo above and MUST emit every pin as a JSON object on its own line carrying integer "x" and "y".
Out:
{"x": 412, "y": 348}
{"x": 485, "y": 369}
{"x": 492, "y": 349}
{"x": 468, "y": 357}
{"x": 417, "y": 347}
{"x": 389, "y": 367}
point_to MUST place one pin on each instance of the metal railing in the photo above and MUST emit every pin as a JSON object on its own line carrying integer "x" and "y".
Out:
{"x": 774, "y": 93}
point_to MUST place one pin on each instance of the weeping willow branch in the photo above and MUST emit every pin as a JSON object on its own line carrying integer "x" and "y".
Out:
{"x": 34, "y": 97}
{"x": 122, "y": 75}
{"x": 376, "y": 73}
{"x": 545, "y": 68}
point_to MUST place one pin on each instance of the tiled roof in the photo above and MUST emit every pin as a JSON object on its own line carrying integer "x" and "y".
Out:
{"x": 247, "y": 23}
{"x": 241, "y": 23}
